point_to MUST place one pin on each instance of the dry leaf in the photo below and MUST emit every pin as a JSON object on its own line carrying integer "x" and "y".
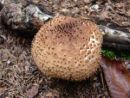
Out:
{"x": 128, "y": 12}
{"x": 117, "y": 78}
{"x": 104, "y": 15}
{"x": 51, "y": 94}
{"x": 32, "y": 91}
{"x": 2, "y": 90}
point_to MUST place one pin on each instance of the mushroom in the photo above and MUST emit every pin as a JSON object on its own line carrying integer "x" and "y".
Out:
{"x": 68, "y": 48}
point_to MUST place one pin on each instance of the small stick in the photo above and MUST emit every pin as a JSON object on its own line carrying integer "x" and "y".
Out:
{"x": 31, "y": 18}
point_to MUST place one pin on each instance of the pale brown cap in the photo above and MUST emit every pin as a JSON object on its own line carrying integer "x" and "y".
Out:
{"x": 68, "y": 48}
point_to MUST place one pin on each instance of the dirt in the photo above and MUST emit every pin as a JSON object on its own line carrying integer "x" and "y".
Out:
{"x": 19, "y": 76}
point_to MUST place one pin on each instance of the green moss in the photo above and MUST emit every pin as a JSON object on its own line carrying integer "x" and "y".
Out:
{"x": 113, "y": 54}
{"x": 126, "y": 56}
{"x": 108, "y": 53}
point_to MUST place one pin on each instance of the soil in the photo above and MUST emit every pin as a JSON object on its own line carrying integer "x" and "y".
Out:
{"x": 19, "y": 76}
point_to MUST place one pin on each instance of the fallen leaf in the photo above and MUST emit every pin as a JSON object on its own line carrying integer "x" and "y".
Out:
{"x": 51, "y": 94}
{"x": 128, "y": 12}
{"x": 127, "y": 62}
{"x": 104, "y": 15}
{"x": 87, "y": 1}
{"x": 32, "y": 92}
{"x": 117, "y": 77}
{"x": 2, "y": 91}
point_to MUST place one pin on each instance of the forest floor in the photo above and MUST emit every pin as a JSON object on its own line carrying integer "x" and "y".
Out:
{"x": 19, "y": 76}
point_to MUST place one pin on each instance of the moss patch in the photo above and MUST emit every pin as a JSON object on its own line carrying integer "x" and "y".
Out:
{"x": 113, "y": 54}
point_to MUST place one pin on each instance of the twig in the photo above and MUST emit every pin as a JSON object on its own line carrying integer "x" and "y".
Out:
{"x": 30, "y": 19}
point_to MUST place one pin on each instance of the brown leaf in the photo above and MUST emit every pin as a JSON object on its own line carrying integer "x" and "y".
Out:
{"x": 104, "y": 15}
{"x": 128, "y": 12}
{"x": 2, "y": 91}
{"x": 51, "y": 94}
{"x": 32, "y": 91}
{"x": 117, "y": 78}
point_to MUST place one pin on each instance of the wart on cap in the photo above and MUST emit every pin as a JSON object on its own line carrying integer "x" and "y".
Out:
{"x": 68, "y": 48}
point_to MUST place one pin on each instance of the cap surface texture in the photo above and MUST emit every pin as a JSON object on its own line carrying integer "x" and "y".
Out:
{"x": 67, "y": 48}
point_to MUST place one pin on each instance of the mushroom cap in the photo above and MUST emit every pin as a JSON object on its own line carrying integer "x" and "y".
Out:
{"x": 67, "y": 48}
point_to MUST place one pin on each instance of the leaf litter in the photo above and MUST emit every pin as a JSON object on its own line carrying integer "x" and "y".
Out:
{"x": 19, "y": 76}
{"x": 117, "y": 77}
